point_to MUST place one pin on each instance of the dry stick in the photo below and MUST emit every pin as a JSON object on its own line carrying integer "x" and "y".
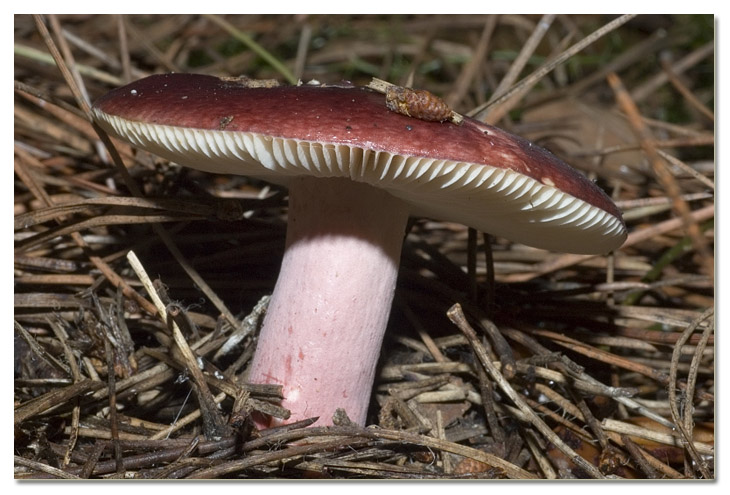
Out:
{"x": 609, "y": 358}
{"x": 67, "y": 352}
{"x": 45, "y": 127}
{"x": 124, "y": 49}
{"x": 590, "y": 419}
{"x": 26, "y": 175}
{"x": 489, "y": 262}
{"x": 644, "y": 207}
{"x": 67, "y": 74}
{"x": 486, "y": 391}
{"x": 655, "y": 336}
{"x": 232, "y": 390}
{"x": 510, "y": 470}
{"x": 38, "y": 405}
{"x": 677, "y": 129}
{"x": 111, "y": 341}
{"x": 666, "y": 179}
{"x": 184, "y": 421}
{"x": 649, "y": 87}
{"x": 686, "y": 427}
{"x": 517, "y": 453}
{"x": 699, "y": 139}
{"x": 643, "y": 458}
{"x": 501, "y": 347}
{"x": 493, "y": 114}
{"x": 68, "y": 56}
{"x": 526, "y": 52}
{"x": 90, "y": 49}
{"x": 77, "y": 226}
{"x": 140, "y": 38}
{"x": 182, "y": 466}
{"x": 694, "y": 370}
{"x": 611, "y": 258}
{"x": 545, "y": 412}
{"x": 570, "y": 374}
{"x": 686, "y": 169}
{"x": 538, "y": 454}
{"x": 44, "y": 58}
{"x": 684, "y": 90}
{"x": 431, "y": 346}
{"x": 77, "y": 121}
{"x": 91, "y": 206}
{"x": 601, "y": 355}
{"x": 528, "y": 82}
{"x": 91, "y": 461}
{"x": 40, "y": 351}
{"x": 636, "y": 52}
{"x": 379, "y": 470}
{"x": 214, "y": 419}
{"x": 554, "y": 397}
{"x": 441, "y": 435}
{"x": 76, "y": 374}
{"x": 142, "y": 381}
{"x": 300, "y": 61}
{"x": 702, "y": 139}
{"x": 195, "y": 276}
{"x": 672, "y": 439}
{"x": 253, "y": 46}
{"x": 113, "y": 421}
{"x": 214, "y": 425}
{"x": 421, "y": 54}
{"x": 635, "y": 237}
{"x": 41, "y": 99}
{"x": 471, "y": 263}
{"x": 277, "y": 455}
{"x": 469, "y": 70}
{"x": 52, "y": 399}
{"x": 638, "y": 456}
{"x": 44, "y": 468}
{"x": 610, "y": 279}
{"x": 585, "y": 379}
{"x": 456, "y": 315}
{"x": 140, "y": 461}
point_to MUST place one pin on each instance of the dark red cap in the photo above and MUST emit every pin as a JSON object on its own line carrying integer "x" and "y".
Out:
{"x": 472, "y": 173}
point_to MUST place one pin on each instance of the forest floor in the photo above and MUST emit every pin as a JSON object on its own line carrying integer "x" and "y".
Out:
{"x": 596, "y": 366}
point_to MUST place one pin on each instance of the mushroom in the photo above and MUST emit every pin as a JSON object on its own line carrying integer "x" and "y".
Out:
{"x": 355, "y": 171}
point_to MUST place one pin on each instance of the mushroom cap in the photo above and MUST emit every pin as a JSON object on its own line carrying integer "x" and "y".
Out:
{"x": 472, "y": 173}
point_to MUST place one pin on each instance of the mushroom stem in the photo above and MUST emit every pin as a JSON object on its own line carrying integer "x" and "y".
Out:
{"x": 324, "y": 327}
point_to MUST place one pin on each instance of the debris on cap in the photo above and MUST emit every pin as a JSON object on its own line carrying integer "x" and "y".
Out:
{"x": 416, "y": 103}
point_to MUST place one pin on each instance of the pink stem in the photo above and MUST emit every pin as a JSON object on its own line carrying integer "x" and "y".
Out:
{"x": 325, "y": 322}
